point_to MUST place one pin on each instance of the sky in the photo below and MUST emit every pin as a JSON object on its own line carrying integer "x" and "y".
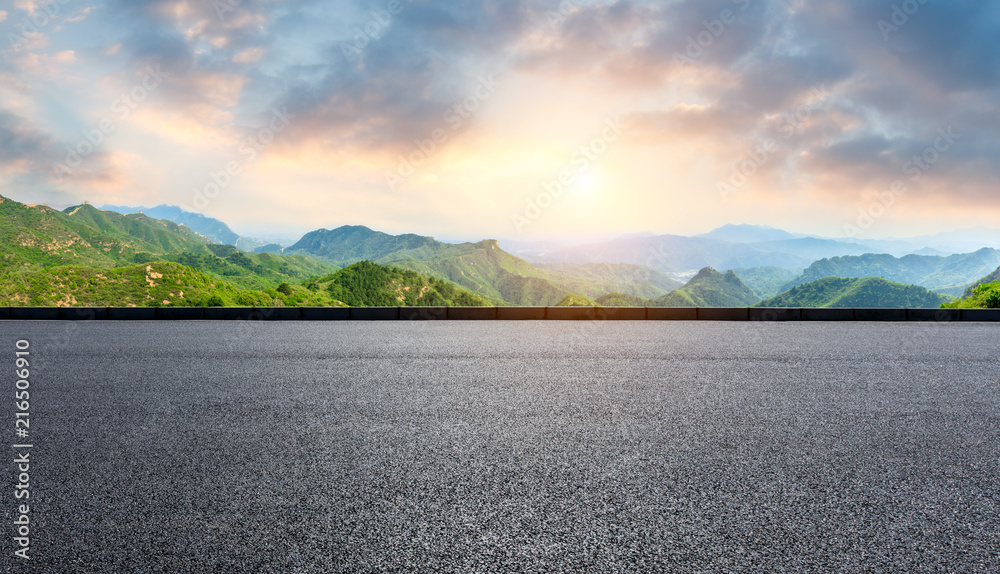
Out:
{"x": 510, "y": 118}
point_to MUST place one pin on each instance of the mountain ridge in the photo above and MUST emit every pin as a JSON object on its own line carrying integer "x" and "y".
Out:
{"x": 710, "y": 288}
{"x": 482, "y": 267}
{"x": 862, "y": 292}
{"x": 950, "y": 275}
{"x": 209, "y": 227}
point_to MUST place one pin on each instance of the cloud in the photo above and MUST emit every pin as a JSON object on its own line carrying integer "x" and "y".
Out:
{"x": 699, "y": 82}
{"x": 40, "y": 65}
{"x": 21, "y": 143}
{"x": 28, "y": 6}
{"x": 887, "y": 98}
{"x": 26, "y": 149}
{"x": 250, "y": 55}
{"x": 81, "y": 15}
{"x": 361, "y": 83}
{"x": 382, "y": 83}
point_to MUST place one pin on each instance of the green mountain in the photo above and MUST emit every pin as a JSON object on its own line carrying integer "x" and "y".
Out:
{"x": 92, "y": 241}
{"x": 208, "y": 227}
{"x": 353, "y": 243}
{"x": 766, "y": 281}
{"x": 86, "y": 256}
{"x": 171, "y": 284}
{"x": 620, "y": 300}
{"x": 982, "y": 296}
{"x": 37, "y": 235}
{"x": 154, "y": 284}
{"x": 483, "y": 267}
{"x": 574, "y": 300}
{"x": 709, "y": 288}
{"x": 991, "y": 278}
{"x": 366, "y": 284}
{"x": 949, "y": 275}
{"x": 252, "y": 270}
{"x": 486, "y": 269}
{"x": 480, "y": 267}
{"x": 857, "y": 292}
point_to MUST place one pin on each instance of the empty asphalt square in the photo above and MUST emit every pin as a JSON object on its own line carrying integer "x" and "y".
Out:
{"x": 437, "y": 446}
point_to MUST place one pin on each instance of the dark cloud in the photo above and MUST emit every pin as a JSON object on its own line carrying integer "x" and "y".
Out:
{"x": 21, "y": 142}
{"x": 949, "y": 44}
{"x": 888, "y": 94}
{"x": 353, "y": 74}
{"x": 33, "y": 154}
{"x": 385, "y": 91}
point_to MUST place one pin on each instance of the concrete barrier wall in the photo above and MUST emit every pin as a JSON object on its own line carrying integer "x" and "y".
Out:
{"x": 570, "y": 313}
{"x": 990, "y": 315}
{"x": 472, "y": 313}
{"x": 880, "y": 314}
{"x": 180, "y": 313}
{"x": 595, "y": 313}
{"x": 131, "y": 313}
{"x": 374, "y": 313}
{"x": 622, "y": 313}
{"x": 775, "y": 314}
{"x": 723, "y": 314}
{"x": 490, "y": 313}
{"x": 280, "y": 313}
{"x": 326, "y": 313}
{"x": 228, "y": 313}
{"x": 35, "y": 313}
{"x": 520, "y": 313}
{"x": 671, "y": 313}
{"x": 941, "y": 315}
{"x": 83, "y": 313}
{"x": 423, "y": 313}
{"x": 828, "y": 314}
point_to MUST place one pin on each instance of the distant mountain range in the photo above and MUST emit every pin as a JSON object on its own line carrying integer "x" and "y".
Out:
{"x": 83, "y": 255}
{"x": 746, "y": 246}
{"x": 675, "y": 253}
{"x": 735, "y": 233}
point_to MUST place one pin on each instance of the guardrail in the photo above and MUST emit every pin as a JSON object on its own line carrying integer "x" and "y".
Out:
{"x": 490, "y": 314}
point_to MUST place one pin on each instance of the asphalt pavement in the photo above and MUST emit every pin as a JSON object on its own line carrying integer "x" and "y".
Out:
{"x": 506, "y": 447}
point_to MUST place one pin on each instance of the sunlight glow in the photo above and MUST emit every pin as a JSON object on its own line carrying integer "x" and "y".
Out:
{"x": 587, "y": 184}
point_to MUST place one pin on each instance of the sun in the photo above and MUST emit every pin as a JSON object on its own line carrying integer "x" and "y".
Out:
{"x": 586, "y": 184}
